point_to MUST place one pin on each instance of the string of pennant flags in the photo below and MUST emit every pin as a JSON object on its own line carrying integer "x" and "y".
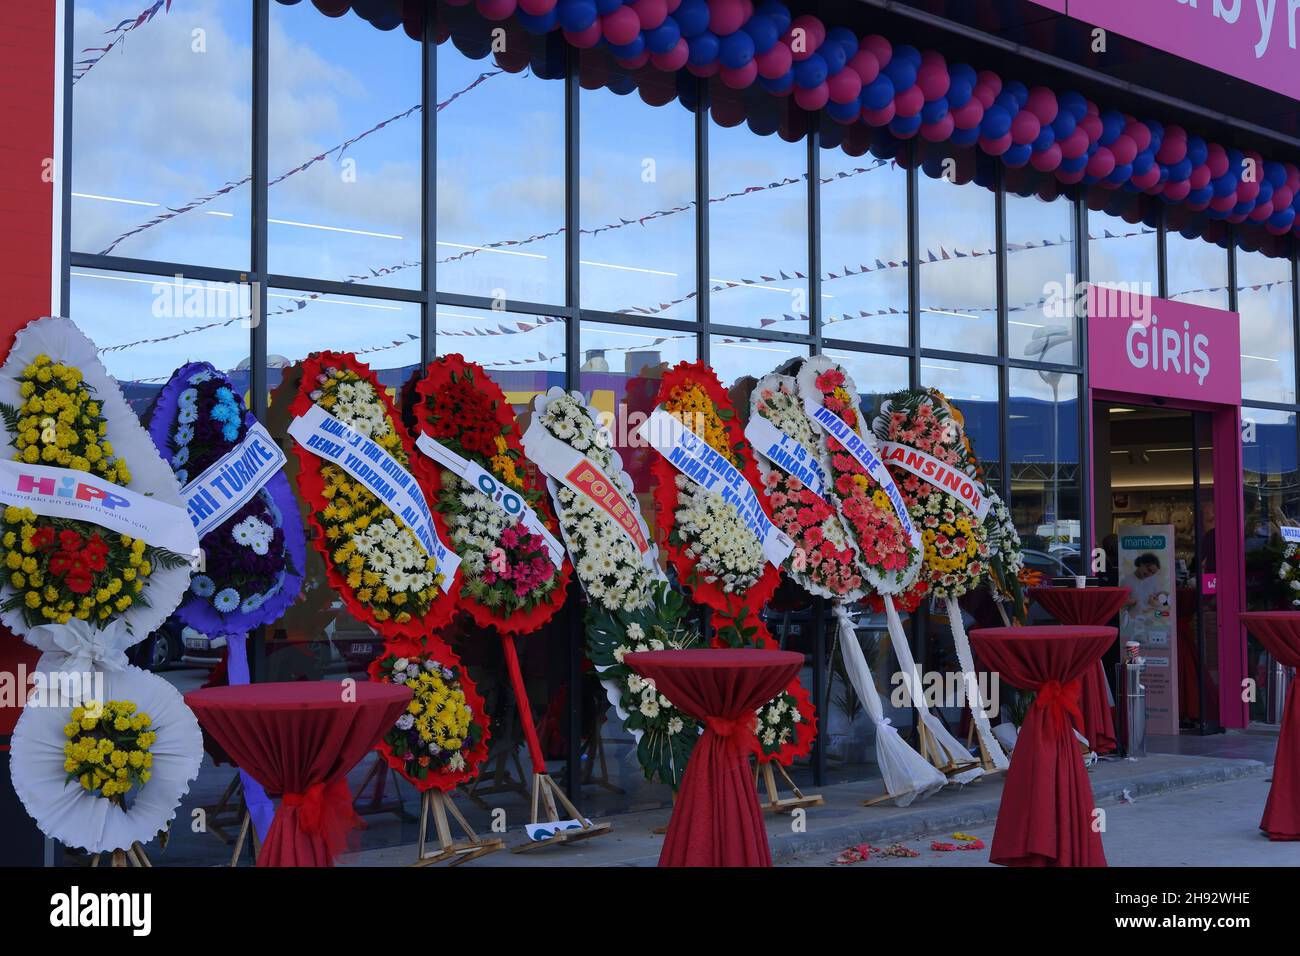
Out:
{"x": 119, "y": 33}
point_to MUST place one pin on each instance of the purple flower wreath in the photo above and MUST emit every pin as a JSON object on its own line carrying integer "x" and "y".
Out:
{"x": 254, "y": 560}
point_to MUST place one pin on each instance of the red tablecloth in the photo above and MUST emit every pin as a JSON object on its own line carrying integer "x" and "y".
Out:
{"x": 299, "y": 740}
{"x": 1279, "y": 632}
{"x": 1090, "y": 607}
{"x": 1046, "y": 814}
{"x": 717, "y": 820}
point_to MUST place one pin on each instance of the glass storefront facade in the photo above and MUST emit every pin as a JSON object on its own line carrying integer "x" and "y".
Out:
{"x": 563, "y": 221}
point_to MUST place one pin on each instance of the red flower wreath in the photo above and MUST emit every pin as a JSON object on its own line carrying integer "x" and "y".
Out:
{"x": 456, "y": 403}
{"x": 431, "y": 648}
{"x": 312, "y": 486}
{"x": 738, "y": 615}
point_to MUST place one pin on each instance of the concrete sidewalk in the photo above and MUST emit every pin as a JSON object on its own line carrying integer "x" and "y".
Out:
{"x": 843, "y": 821}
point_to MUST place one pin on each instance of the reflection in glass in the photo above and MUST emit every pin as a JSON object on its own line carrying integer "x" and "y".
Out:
{"x": 146, "y": 327}
{"x": 734, "y": 358}
{"x": 1120, "y": 251}
{"x": 637, "y": 193}
{"x": 500, "y": 171}
{"x": 973, "y": 389}
{"x": 1043, "y": 455}
{"x": 355, "y": 212}
{"x": 758, "y": 226}
{"x": 876, "y": 376}
{"x": 161, "y": 123}
{"x": 1267, "y": 333}
{"x": 1197, "y": 270}
{"x": 957, "y": 258}
{"x": 524, "y": 354}
{"x": 1040, "y": 280}
{"x": 864, "y": 248}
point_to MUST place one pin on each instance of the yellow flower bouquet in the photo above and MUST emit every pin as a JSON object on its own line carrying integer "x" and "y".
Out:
{"x": 108, "y": 748}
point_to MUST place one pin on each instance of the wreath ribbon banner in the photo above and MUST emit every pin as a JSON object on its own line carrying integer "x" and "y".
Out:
{"x": 872, "y": 464}
{"x": 786, "y": 453}
{"x": 582, "y": 476}
{"x": 962, "y": 487}
{"x": 329, "y": 439}
{"x": 693, "y": 457}
{"x": 230, "y": 482}
{"x": 80, "y": 496}
{"x": 505, "y": 498}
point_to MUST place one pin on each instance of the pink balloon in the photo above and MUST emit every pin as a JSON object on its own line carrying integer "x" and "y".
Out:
{"x": 1124, "y": 148}
{"x": 1025, "y": 127}
{"x": 881, "y": 117}
{"x": 726, "y": 16}
{"x": 938, "y": 132}
{"x": 1092, "y": 109}
{"x": 995, "y": 147}
{"x": 1276, "y": 230}
{"x": 968, "y": 115}
{"x": 1200, "y": 177}
{"x": 865, "y": 64}
{"x": 812, "y": 99}
{"x": 513, "y": 60}
{"x": 536, "y": 8}
{"x": 1172, "y": 149}
{"x": 984, "y": 94}
{"x": 933, "y": 79}
{"x": 1042, "y": 103}
{"x": 814, "y": 35}
{"x": 1247, "y": 191}
{"x": 844, "y": 86}
{"x": 1198, "y": 206}
{"x": 496, "y": 9}
{"x": 909, "y": 102}
{"x": 727, "y": 111}
{"x": 1283, "y": 197}
{"x": 1069, "y": 178}
{"x": 990, "y": 81}
{"x": 673, "y": 5}
{"x": 1102, "y": 163}
{"x": 703, "y": 72}
{"x": 1140, "y": 133}
{"x": 1091, "y": 124}
{"x": 651, "y": 13}
{"x": 673, "y": 60}
{"x": 774, "y": 63}
{"x": 656, "y": 94}
{"x": 636, "y": 62}
{"x": 1217, "y": 160}
{"x": 1223, "y": 203}
{"x": 1046, "y": 160}
{"x": 1148, "y": 179}
{"x": 587, "y": 39}
{"x": 1074, "y": 145}
{"x": 1261, "y": 211}
{"x": 878, "y": 47}
{"x": 621, "y": 26}
{"x": 741, "y": 77}
{"x": 1292, "y": 177}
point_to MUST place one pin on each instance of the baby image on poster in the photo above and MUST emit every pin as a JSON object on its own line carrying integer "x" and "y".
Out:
{"x": 1146, "y": 568}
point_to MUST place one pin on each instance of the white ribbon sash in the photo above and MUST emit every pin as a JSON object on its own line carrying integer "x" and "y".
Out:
{"x": 693, "y": 457}
{"x": 81, "y": 496}
{"x": 331, "y": 440}
{"x": 228, "y": 483}
{"x": 932, "y": 471}
{"x": 501, "y": 495}
{"x": 786, "y": 453}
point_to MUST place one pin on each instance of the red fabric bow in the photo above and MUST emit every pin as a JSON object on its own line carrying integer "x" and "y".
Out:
{"x": 733, "y": 731}
{"x": 1062, "y": 700}
{"x": 325, "y": 810}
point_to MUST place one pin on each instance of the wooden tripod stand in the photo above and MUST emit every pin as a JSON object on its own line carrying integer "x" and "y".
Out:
{"x": 440, "y": 807}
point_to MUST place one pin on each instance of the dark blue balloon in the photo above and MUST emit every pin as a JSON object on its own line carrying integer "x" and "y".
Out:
{"x": 1275, "y": 174}
{"x": 901, "y": 73}
{"x": 877, "y": 94}
{"x": 1236, "y": 160}
{"x": 736, "y": 50}
{"x": 1157, "y": 129}
{"x": 781, "y": 84}
{"x": 996, "y": 123}
{"x": 1197, "y": 151}
{"x": 576, "y": 15}
{"x": 964, "y": 73}
{"x": 663, "y": 37}
{"x": 628, "y": 51}
{"x": 835, "y": 56}
{"x": 1282, "y": 219}
{"x": 811, "y": 72}
{"x": 905, "y": 125}
{"x": 620, "y": 82}
{"x": 1112, "y": 124}
{"x": 844, "y": 37}
{"x": 1064, "y": 123}
{"x": 907, "y": 53}
{"x": 1142, "y": 162}
{"x": 763, "y": 122}
{"x": 1200, "y": 195}
{"x": 779, "y": 13}
{"x": 934, "y": 111}
{"x": 1017, "y": 155}
{"x": 965, "y": 137}
{"x": 693, "y": 17}
{"x": 1008, "y": 102}
{"x": 1074, "y": 103}
{"x": 1121, "y": 174}
{"x": 1046, "y": 137}
{"x": 688, "y": 89}
{"x": 542, "y": 23}
{"x": 1074, "y": 165}
{"x": 844, "y": 112}
{"x": 1180, "y": 170}
{"x": 1265, "y": 190}
{"x": 1225, "y": 185}
{"x": 959, "y": 92}
{"x": 704, "y": 48}
{"x": 762, "y": 30}
{"x": 1243, "y": 208}
{"x": 606, "y": 7}
{"x": 1018, "y": 90}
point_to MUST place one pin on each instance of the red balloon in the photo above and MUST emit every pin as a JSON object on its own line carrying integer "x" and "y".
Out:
{"x": 984, "y": 95}
{"x": 1042, "y": 103}
{"x": 726, "y": 16}
{"x": 1074, "y": 145}
{"x": 813, "y": 32}
{"x": 1091, "y": 124}
{"x": 1200, "y": 177}
{"x": 585, "y": 40}
{"x": 704, "y": 72}
{"x": 1069, "y": 178}
{"x": 939, "y": 131}
{"x": 536, "y": 8}
{"x": 995, "y": 147}
{"x": 1173, "y": 148}
{"x": 881, "y": 117}
{"x": 620, "y": 27}
{"x": 990, "y": 81}
{"x": 651, "y": 13}
{"x": 1283, "y": 197}
{"x": 741, "y": 77}
{"x": 496, "y": 9}
{"x": 775, "y": 63}
{"x": 933, "y": 79}
{"x": 1102, "y": 163}
{"x": 636, "y": 62}
{"x": 845, "y": 86}
{"x": 655, "y": 94}
{"x": 332, "y": 8}
{"x": 1047, "y": 160}
{"x": 1261, "y": 211}
{"x": 673, "y": 60}
{"x": 1147, "y": 179}
{"x": 1140, "y": 133}
{"x": 878, "y": 47}
{"x": 968, "y": 116}
{"x": 1217, "y": 160}
{"x": 727, "y": 111}
{"x": 1125, "y": 149}
{"x": 812, "y": 99}
{"x": 1025, "y": 127}
{"x": 1292, "y": 178}
{"x": 909, "y": 102}
{"x": 673, "y": 5}
{"x": 1092, "y": 109}
{"x": 865, "y": 64}
{"x": 514, "y": 59}
{"x": 1223, "y": 203}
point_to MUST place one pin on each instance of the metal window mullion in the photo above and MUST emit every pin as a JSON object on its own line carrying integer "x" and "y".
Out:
{"x": 913, "y": 271}
{"x": 1162, "y": 254}
{"x": 1004, "y": 344}
{"x": 258, "y": 200}
{"x": 1080, "y": 229}
{"x": 429, "y": 189}
{"x": 572, "y": 363}
{"x": 702, "y": 303}
{"x": 65, "y": 171}
{"x": 814, "y": 238}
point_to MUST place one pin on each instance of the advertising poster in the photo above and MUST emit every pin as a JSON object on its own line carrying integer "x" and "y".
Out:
{"x": 1146, "y": 568}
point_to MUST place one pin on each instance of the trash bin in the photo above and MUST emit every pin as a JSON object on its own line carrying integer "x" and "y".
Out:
{"x": 1131, "y": 708}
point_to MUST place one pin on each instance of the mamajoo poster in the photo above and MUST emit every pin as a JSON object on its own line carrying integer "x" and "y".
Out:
{"x": 1146, "y": 568}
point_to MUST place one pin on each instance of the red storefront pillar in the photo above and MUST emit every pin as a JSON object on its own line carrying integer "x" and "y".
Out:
{"x": 27, "y": 172}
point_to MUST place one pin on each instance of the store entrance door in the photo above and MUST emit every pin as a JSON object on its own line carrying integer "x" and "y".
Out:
{"x": 1154, "y": 482}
